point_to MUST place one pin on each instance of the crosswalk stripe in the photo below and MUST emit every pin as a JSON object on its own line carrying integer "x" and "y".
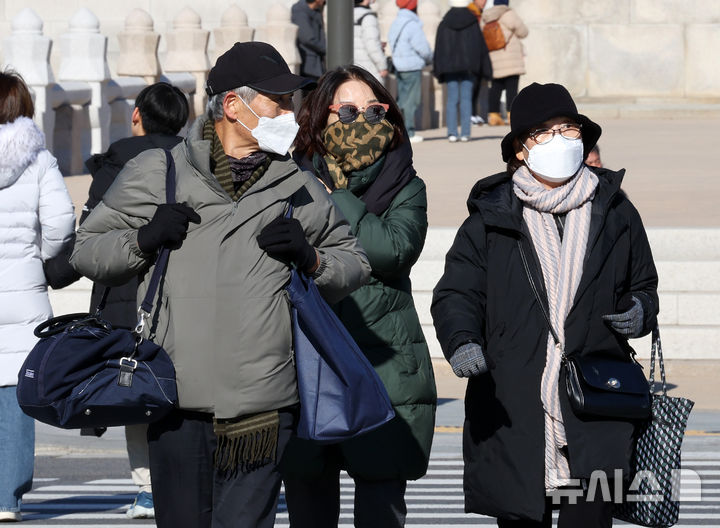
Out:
{"x": 435, "y": 500}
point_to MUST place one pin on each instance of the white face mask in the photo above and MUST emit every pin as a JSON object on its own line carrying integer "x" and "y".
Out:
{"x": 558, "y": 160}
{"x": 274, "y": 134}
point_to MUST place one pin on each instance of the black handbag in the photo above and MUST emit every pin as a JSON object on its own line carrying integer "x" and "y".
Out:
{"x": 657, "y": 455}
{"x": 83, "y": 373}
{"x": 599, "y": 386}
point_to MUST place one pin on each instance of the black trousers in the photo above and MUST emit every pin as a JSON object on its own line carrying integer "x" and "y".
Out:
{"x": 480, "y": 97}
{"x": 187, "y": 490}
{"x": 315, "y": 503}
{"x": 586, "y": 514}
{"x": 510, "y": 85}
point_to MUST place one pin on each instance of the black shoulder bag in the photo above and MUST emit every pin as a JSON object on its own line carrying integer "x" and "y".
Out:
{"x": 599, "y": 386}
{"x": 83, "y": 373}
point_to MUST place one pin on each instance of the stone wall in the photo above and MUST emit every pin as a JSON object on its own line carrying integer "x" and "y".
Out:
{"x": 625, "y": 50}
{"x": 638, "y": 49}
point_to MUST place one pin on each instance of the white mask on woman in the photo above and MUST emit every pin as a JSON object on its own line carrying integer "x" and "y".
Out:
{"x": 274, "y": 134}
{"x": 558, "y": 160}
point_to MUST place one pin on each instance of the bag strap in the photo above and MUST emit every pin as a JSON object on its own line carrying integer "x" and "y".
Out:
{"x": 397, "y": 39}
{"x": 657, "y": 350}
{"x": 359, "y": 20}
{"x": 147, "y": 305}
{"x": 537, "y": 294}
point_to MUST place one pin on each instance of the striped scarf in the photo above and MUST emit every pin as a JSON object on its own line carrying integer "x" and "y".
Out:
{"x": 561, "y": 261}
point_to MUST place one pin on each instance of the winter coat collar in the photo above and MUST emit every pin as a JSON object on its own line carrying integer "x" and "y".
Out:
{"x": 275, "y": 185}
{"x": 20, "y": 143}
{"x": 125, "y": 149}
{"x": 494, "y": 199}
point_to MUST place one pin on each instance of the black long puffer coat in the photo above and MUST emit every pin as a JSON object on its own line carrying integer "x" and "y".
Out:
{"x": 485, "y": 295}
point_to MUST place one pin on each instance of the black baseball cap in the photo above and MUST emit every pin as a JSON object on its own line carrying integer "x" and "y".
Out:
{"x": 254, "y": 64}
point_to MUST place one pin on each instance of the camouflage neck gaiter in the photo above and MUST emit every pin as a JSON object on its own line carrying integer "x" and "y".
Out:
{"x": 354, "y": 146}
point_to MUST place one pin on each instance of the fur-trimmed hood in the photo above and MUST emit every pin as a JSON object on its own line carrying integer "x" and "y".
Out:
{"x": 20, "y": 142}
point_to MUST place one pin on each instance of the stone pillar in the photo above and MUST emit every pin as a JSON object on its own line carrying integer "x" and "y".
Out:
{"x": 386, "y": 15}
{"x": 187, "y": 46}
{"x": 83, "y": 57}
{"x": 233, "y": 28}
{"x": 432, "y": 104}
{"x": 430, "y": 15}
{"x": 281, "y": 33}
{"x": 27, "y": 51}
{"x": 138, "y": 47}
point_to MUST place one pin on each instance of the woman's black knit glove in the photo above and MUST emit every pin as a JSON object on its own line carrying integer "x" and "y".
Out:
{"x": 168, "y": 227}
{"x": 284, "y": 239}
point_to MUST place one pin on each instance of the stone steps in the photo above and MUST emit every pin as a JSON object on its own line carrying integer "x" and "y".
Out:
{"x": 688, "y": 263}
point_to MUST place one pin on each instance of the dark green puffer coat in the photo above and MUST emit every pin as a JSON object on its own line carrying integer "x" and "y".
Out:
{"x": 382, "y": 319}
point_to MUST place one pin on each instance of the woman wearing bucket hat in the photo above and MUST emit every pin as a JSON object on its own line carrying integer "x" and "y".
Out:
{"x": 577, "y": 234}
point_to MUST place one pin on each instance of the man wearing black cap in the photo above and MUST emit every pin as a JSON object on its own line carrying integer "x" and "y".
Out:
{"x": 222, "y": 314}
{"x": 552, "y": 264}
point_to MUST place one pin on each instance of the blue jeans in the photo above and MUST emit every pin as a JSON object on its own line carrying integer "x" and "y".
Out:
{"x": 409, "y": 95}
{"x": 17, "y": 451}
{"x": 459, "y": 86}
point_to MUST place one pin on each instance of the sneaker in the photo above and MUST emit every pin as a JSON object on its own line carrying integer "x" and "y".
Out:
{"x": 8, "y": 516}
{"x": 452, "y": 139}
{"x": 477, "y": 120}
{"x": 464, "y": 139}
{"x": 143, "y": 507}
{"x": 416, "y": 139}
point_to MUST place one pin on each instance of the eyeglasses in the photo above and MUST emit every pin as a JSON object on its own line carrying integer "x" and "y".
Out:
{"x": 566, "y": 130}
{"x": 347, "y": 113}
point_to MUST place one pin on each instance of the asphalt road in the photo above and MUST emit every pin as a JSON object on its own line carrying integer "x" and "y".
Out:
{"x": 85, "y": 481}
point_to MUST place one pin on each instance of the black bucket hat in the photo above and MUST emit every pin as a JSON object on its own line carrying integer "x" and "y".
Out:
{"x": 537, "y": 103}
{"x": 254, "y": 64}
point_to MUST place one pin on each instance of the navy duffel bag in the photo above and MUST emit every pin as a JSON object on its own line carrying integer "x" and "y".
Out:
{"x": 85, "y": 373}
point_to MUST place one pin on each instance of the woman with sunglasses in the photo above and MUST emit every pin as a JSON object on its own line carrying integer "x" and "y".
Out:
{"x": 353, "y": 138}
{"x": 552, "y": 261}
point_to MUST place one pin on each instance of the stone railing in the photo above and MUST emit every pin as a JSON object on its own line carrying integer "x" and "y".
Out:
{"x": 84, "y": 107}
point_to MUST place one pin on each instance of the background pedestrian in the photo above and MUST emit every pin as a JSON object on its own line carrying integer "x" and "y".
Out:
{"x": 410, "y": 52}
{"x": 593, "y": 158}
{"x": 36, "y": 221}
{"x": 311, "y": 43}
{"x": 460, "y": 56}
{"x": 480, "y": 85}
{"x": 367, "y": 47}
{"x": 508, "y": 62}
{"x": 161, "y": 111}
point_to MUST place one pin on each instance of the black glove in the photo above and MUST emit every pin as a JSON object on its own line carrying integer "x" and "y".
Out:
{"x": 168, "y": 227}
{"x": 284, "y": 239}
{"x": 628, "y": 323}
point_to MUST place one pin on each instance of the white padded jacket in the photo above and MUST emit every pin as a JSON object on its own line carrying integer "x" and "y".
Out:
{"x": 36, "y": 219}
{"x": 367, "y": 47}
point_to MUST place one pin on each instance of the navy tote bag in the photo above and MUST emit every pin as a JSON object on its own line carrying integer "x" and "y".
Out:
{"x": 341, "y": 395}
